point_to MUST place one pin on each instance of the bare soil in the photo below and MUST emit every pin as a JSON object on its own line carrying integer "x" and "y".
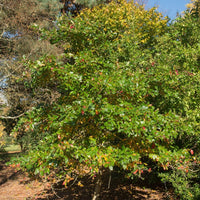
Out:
{"x": 16, "y": 185}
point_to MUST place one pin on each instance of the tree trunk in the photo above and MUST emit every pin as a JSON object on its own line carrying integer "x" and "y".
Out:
{"x": 98, "y": 185}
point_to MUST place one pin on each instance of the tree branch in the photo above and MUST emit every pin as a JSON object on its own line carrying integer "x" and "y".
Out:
{"x": 9, "y": 117}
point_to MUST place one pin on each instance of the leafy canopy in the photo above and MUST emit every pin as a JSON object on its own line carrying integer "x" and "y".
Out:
{"x": 121, "y": 95}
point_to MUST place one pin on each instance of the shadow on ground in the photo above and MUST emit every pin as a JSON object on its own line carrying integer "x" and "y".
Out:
{"x": 120, "y": 189}
{"x": 15, "y": 183}
{"x": 6, "y": 173}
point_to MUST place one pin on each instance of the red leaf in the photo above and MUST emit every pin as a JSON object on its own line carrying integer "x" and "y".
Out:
{"x": 149, "y": 170}
{"x": 64, "y": 183}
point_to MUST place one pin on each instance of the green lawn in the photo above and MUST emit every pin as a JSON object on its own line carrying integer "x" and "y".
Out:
{"x": 13, "y": 148}
{"x": 10, "y": 151}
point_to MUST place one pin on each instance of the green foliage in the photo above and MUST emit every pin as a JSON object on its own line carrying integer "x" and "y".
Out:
{"x": 52, "y": 6}
{"x": 127, "y": 90}
{"x": 185, "y": 180}
{"x": 194, "y": 8}
{"x": 91, "y": 3}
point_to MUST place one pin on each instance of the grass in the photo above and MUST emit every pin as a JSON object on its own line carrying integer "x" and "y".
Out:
{"x": 9, "y": 152}
{"x": 12, "y": 147}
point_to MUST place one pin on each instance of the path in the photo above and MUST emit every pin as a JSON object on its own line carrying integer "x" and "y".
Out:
{"x": 15, "y": 185}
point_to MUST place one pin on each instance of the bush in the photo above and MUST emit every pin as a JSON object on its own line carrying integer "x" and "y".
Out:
{"x": 121, "y": 96}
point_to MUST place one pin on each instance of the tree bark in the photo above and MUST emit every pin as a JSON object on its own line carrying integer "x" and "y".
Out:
{"x": 98, "y": 185}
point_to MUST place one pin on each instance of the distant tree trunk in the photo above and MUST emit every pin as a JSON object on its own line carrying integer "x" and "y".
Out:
{"x": 21, "y": 146}
{"x": 98, "y": 185}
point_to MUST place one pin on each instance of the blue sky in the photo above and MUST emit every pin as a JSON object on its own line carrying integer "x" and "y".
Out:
{"x": 169, "y": 7}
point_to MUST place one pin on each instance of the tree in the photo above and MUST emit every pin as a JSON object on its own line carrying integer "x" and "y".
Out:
{"x": 74, "y": 7}
{"x": 122, "y": 97}
{"x": 194, "y": 7}
{"x": 18, "y": 39}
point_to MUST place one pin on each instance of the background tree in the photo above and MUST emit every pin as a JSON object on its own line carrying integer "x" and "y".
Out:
{"x": 194, "y": 7}
{"x": 18, "y": 39}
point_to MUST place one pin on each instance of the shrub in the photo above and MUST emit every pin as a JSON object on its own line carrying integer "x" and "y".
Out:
{"x": 124, "y": 97}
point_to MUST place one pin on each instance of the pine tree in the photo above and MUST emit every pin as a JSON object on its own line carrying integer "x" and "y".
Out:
{"x": 17, "y": 40}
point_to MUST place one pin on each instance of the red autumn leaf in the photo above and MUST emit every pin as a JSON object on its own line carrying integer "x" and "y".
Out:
{"x": 176, "y": 72}
{"x": 64, "y": 183}
{"x": 18, "y": 165}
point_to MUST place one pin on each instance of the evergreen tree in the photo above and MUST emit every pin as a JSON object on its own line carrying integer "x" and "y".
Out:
{"x": 19, "y": 39}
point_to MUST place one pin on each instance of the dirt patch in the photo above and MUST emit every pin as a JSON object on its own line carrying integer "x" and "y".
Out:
{"x": 120, "y": 189}
{"x": 16, "y": 185}
{"x": 121, "y": 192}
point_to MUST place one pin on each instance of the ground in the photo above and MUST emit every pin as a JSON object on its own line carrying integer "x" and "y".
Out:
{"x": 16, "y": 185}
